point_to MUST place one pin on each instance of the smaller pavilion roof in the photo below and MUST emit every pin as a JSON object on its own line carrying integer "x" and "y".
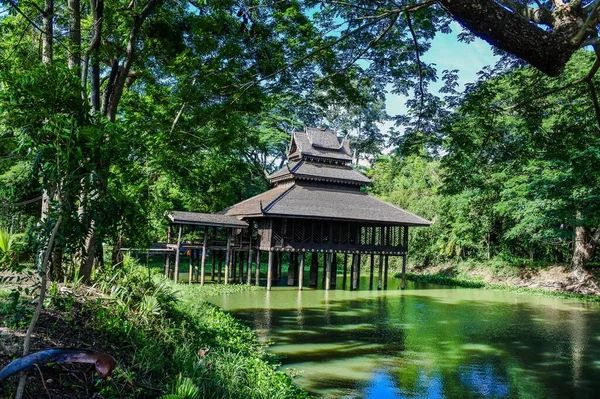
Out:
{"x": 305, "y": 170}
{"x": 320, "y": 143}
{"x": 205, "y": 219}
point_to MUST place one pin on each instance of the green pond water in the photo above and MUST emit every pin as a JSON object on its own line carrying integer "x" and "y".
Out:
{"x": 427, "y": 341}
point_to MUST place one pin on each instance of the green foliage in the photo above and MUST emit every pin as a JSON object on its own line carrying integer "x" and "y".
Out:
{"x": 182, "y": 345}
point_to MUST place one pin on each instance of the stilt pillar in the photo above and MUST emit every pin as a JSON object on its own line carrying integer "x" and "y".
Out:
{"x": 345, "y": 271}
{"x": 270, "y": 271}
{"x": 333, "y": 270}
{"x": 227, "y": 257}
{"x": 176, "y": 272}
{"x": 380, "y": 274}
{"x": 355, "y": 265}
{"x": 327, "y": 271}
{"x": 301, "y": 270}
{"x": 314, "y": 269}
{"x": 203, "y": 262}
{"x": 403, "y": 286}
{"x": 371, "y": 271}
{"x": 385, "y": 272}
{"x": 257, "y": 276}
{"x": 292, "y": 269}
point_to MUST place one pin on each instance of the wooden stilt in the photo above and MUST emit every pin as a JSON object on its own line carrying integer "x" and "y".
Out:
{"x": 403, "y": 272}
{"x": 279, "y": 265}
{"x": 249, "y": 266}
{"x": 292, "y": 269}
{"x": 371, "y": 271}
{"x": 203, "y": 262}
{"x": 176, "y": 272}
{"x": 358, "y": 272}
{"x": 333, "y": 270}
{"x": 327, "y": 262}
{"x": 168, "y": 256}
{"x": 380, "y": 274}
{"x": 233, "y": 265}
{"x": 314, "y": 269}
{"x": 220, "y": 268}
{"x": 213, "y": 256}
{"x": 191, "y": 269}
{"x": 345, "y": 271}
{"x": 355, "y": 259}
{"x": 270, "y": 271}
{"x": 352, "y": 272}
{"x": 301, "y": 271}
{"x": 227, "y": 257}
{"x": 385, "y": 273}
{"x": 257, "y": 277}
{"x": 241, "y": 256}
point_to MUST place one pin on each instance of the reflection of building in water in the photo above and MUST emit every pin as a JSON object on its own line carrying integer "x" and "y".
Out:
{"x": 317, "y": 207}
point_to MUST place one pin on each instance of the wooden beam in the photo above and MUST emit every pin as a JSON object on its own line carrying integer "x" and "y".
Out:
{"x": 270, "y": 271}
{"x": 203, "y": 262}
{"x": 176, "y": 272}
{"x": 301, "y": 270}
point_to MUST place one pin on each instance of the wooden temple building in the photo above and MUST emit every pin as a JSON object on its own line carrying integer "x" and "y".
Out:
{"x": 317, "y": 214}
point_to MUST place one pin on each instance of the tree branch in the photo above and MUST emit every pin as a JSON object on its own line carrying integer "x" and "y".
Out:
{"x": 414, "y": 36}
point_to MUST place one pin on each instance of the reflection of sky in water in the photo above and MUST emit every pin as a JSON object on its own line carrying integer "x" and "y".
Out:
{"x": 428, "y": 343}
{"x": 382, "y": 386}
{"x": 483, "y": 380}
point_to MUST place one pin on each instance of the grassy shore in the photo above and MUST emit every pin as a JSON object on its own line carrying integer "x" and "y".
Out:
{"x": 466, "y": 282}
{"x": 168, "y": 341}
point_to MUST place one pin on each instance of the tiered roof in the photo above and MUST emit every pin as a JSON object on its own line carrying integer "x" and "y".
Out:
{"x": 319, "y": 183}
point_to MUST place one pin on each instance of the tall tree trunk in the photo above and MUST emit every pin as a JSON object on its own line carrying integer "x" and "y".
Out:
{"x": 74, "y": 35}
{"x": 584, "y": 246}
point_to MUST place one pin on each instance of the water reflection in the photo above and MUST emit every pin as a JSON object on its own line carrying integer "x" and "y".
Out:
{"x": 428, "y": 343}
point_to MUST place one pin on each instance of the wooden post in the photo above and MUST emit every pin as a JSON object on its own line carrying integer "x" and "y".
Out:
{"x": 385, "y": 273}
{"x": 355, "y": 259}
{"x": 241, "y": 256}
{"x": 327, "y": 262}
{"x": 292, "y": 269}
{"x": 279, "y": 265}
{"x": 227, "y": 256}
{"x": 314, "y": 269}
{"x": 358, "y": 272}
{"x": 220, "y": 267}
{"x": 345, "y": 271}
{"x": 301, "y": 271}
{"x": 257, "y": 277}
{"x": 249, "y": 272}
{"x": 214, "y": 253}
{"x": 233, "y": 264}
{"x": 352, "y": 272}
{"x": 334, "y": 270}
{"x": 168, "y": 255}
{"x": 372, "y": 271}
{"x": 270, "y": 271}
{"x": 203, "y": 262}
{"x": 403, "y": 272}
{"x": 176, "y": 272}
{"x": 191, "y": 270}
{"x": 380, "y": 274}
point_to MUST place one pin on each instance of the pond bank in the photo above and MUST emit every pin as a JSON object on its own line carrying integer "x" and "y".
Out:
{"x": 168, "y": 342}
{"x": 549, "y": 280}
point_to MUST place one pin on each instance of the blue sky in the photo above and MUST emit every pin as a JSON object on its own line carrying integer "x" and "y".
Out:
{"x": 448, "y": 53}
